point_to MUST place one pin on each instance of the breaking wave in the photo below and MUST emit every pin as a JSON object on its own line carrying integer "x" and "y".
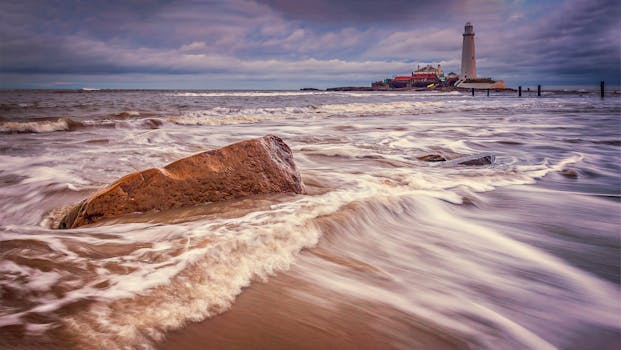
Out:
{"x": 124, "y": 119}
{"x": 227, "y": 115}
{"x": 231, "y": 115}
{"x": 39, "y": 126}
{"x": 145, "y": 279}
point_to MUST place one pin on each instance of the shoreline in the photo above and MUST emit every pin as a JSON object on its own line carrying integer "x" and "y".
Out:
{"x": 418, "y": 89}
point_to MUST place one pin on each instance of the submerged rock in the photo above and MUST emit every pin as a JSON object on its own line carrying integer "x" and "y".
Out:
{"x": 152, "y": 123}
{"x": 432, "y": 158}
{"x": 479, "y": 159}
{"x": 570, "y": 173}
{"x": 482, "y": 159}
{"x": 262, "y": 165}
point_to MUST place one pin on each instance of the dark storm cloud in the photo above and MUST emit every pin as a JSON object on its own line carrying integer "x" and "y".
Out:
{"x": 328, "y": 42}
{"x": 576, "y": 41}
{"x": 361, "y": 11}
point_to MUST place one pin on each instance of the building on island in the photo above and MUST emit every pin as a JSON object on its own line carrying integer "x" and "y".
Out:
{"x": 451, "y": 79}
{"x": 422, "y": 77}
{"x": 428, "y": 73}
{"x": 433, "y": 77}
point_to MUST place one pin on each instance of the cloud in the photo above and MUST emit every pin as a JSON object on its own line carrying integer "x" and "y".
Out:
{"x": 576, "y": 41}
{"x": 194, "y": 46}
{"x": 276, "y": 41}
{"x": 425, "y": 43}
{"x": 81, "y": 55}
{"x": 360, "y": 11}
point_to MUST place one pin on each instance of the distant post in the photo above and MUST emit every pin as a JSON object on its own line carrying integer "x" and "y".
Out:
{"x": 538, "y": 90}
{"x": 601, "y": 88}
{"x": 472, "y": 91}
{"x": 519, "y": 91}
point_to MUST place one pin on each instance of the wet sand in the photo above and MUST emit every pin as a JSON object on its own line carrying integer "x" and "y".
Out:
{"x": 288, "y": 313}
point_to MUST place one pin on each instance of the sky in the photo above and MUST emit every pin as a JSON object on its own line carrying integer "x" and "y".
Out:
{"x": 282, "y": 44}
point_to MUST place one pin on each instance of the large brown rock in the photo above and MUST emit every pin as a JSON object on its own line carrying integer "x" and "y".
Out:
{"x": 263, "y": 165}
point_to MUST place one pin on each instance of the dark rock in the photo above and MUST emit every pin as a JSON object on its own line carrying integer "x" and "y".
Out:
{"x": 432, "y": 158}
{"x": 486, "y": 159}
{"x": 609, "y": 142}
{"x": 510, "y": 142}
{"x": 257, "y": 166}
{"x": 72, "y": 124}
{"x": 350, "y": 88}
{"x": 570, "y": 173}
{"x": 467, "y": 201}
{"x": 152, "y": 123}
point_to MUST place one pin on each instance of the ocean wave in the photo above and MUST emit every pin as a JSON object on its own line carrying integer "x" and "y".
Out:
{"x": 455, "y": 258}
{"x": 152, "y": 278}
{"x": 248, "y": 93}
{"x": 130, "y": 119}
{"x": 39, "y": 126}
{"x": 453, "y": 183}
{"x": 222, "y": 115}
{"x": 318, "y": 92}
{"x": 155, "y": 277}
{"x": 125, "y": 115}
{"x": 225, "y": 115}
{"x": 125, "y": 284}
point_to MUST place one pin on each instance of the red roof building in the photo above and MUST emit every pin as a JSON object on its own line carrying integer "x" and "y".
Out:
{"x": 403, "y": 78}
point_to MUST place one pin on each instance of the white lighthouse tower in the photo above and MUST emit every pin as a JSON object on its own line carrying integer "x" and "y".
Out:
{"x": 468, "y": 62}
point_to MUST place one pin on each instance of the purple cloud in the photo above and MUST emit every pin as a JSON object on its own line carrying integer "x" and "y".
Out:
{"x": 285, "y": 44}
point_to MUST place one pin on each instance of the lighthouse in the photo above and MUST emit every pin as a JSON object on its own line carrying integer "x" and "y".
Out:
{"x": 468, "y": 62}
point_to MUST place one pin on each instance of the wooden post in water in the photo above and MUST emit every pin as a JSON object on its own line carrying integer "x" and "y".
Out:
{"x": 487, "y": 92}
{"x": 519, "y": 91}
{"x": 472, "y": 91}
{"x": 538, "y": 90}
{"x": 601, "y": 88}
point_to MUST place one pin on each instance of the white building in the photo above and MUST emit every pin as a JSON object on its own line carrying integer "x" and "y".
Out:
{"x": 468, "y": 61}
{"x": 468, "y": 77}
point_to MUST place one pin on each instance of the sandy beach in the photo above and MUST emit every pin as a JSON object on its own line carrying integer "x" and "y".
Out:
{"x": 288, "y": 313}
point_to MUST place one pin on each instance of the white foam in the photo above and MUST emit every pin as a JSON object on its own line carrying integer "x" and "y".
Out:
{"x": 202, "y": 280}
{"x": 459, "y": 265}
{"x": 193, "y": 270}
{"x": 35, "y": 126}
{"x": 27, "y": 278}
{"x": 231, "y": 116}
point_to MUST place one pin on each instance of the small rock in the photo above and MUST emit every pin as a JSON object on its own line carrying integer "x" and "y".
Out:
{"x": 467, "y": 201}
{"x": 570, "y": 173}
{"x": 476, "y": 160}
{"x": 432, "y": 158}
{"x": 152, "y": 123}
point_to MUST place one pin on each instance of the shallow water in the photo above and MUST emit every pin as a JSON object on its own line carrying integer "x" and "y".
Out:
{"x": 508, "y": 255}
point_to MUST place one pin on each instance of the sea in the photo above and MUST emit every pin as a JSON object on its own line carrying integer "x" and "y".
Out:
{"x": 384, "y": 251}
